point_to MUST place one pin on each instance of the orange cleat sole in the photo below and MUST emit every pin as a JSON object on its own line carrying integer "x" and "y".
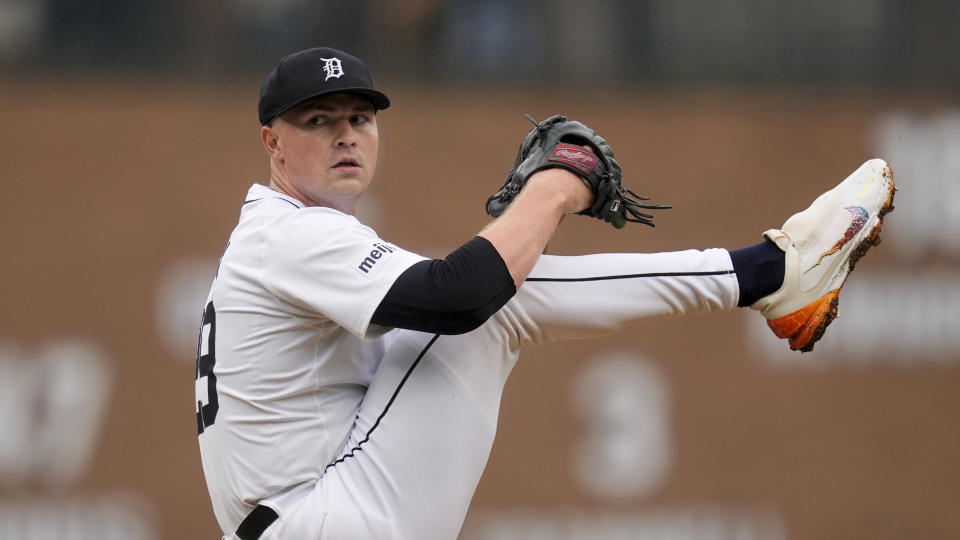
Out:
{"x": 804, "y": 326}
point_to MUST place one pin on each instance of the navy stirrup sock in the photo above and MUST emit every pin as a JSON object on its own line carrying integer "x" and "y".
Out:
{"x": 759, "y": 270}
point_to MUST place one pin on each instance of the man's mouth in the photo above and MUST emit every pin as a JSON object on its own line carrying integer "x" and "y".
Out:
{"x": 347, "y": 162}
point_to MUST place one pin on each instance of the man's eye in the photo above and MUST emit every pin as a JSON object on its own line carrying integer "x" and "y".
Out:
{"x": 317, "y": 120}
{"x": 360, "y": 119}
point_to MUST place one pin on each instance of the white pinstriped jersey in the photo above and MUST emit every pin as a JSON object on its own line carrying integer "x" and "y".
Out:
{"x": 286, "y": 350}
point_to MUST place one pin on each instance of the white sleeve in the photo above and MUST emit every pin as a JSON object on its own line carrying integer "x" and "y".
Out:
{"x": 329, "y": 263}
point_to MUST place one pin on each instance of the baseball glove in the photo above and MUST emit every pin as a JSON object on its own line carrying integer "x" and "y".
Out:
{"x": 568, "y": 144}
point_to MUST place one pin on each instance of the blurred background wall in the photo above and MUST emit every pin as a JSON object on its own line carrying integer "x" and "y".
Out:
{"x": 130, "y": 137}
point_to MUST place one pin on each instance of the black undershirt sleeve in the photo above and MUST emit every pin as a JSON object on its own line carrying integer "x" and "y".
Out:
{"x": 450, "y": 296}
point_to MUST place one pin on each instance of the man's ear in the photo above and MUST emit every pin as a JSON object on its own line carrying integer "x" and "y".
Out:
{"x": 271, "y": 142}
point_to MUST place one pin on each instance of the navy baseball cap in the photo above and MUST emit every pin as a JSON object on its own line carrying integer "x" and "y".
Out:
{"x": 313, "y": 73}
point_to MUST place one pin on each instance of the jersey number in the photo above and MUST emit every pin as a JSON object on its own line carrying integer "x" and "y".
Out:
{"x": 206, "y": 381}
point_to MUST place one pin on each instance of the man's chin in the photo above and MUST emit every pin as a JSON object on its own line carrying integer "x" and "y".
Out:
{"x": 349, "y": 188}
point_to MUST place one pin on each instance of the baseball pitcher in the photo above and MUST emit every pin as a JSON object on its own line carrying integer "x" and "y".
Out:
{"x": 348, "y": 388}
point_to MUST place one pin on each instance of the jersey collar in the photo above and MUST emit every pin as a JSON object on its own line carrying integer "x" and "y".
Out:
{"x": 260, "y": 191}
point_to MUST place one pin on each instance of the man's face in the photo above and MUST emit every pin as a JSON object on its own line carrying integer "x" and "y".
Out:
{"x": 329, "y": 149}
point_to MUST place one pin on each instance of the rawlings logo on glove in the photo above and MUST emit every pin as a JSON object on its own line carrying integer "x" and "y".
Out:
{"x": 559, "y": 142}
{"x": 575, "y": 156}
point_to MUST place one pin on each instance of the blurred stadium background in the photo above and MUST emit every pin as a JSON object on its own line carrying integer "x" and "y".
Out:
{"x": 130, "y": 139}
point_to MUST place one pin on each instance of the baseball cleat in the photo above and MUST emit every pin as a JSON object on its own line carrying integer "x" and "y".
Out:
{"x": 822, "y": 245}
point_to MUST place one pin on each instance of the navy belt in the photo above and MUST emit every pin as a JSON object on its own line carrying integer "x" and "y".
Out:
{"x": 256, "y": 522}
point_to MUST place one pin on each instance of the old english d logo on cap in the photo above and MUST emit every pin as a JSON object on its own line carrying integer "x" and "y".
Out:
{"x": 313, "y": 73}
{"x": 333, "y": 67}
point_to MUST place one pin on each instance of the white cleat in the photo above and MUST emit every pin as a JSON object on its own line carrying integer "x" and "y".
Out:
{"x": 822, "y": 245}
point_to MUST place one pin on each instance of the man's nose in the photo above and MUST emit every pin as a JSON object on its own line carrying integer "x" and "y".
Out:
{"x": 346, "y": 136}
